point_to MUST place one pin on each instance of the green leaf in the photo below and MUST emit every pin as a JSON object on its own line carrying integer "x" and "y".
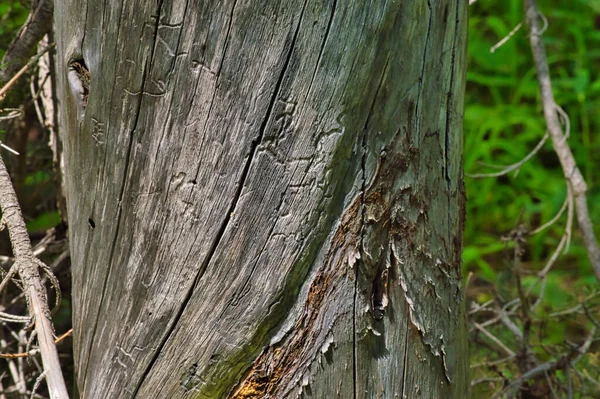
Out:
{"x": 45, "y": 221}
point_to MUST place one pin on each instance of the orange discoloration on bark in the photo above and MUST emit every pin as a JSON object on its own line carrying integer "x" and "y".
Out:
{"x": 270, "y": 367}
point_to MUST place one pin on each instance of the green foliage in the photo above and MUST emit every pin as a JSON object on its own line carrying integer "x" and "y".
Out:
{"x": 44, "y": 221}
{"x": 12, "y": 16}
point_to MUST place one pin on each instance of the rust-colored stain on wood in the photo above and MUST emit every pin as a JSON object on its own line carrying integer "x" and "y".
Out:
{"x": 269, "y": 368}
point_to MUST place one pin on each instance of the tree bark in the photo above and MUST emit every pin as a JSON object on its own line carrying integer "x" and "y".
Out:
{"x": 265, "y": 198}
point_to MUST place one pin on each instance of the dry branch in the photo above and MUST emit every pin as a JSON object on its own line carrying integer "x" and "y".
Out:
{"x": 559, "y": 139}
{"x": 35, "y": 351}
{"x": 28, "y": 266}
{"x": 39, "y": 22}
{"x": 22, "y": 71}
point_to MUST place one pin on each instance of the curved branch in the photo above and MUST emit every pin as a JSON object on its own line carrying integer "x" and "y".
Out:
{"x": 551, "y": 114}
{"x": 514, "y": 166}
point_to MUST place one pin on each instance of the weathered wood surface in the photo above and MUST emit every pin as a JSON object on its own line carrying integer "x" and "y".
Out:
{"x": 265, "y": 198}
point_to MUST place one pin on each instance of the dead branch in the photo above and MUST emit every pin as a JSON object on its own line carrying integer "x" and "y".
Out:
{"x": 559, "y": 140}
{"x": 24, "y": 69}
{"x": 38, "y": 23}
{"x": 28, "y": 266}
{"x": 35, "y": 351}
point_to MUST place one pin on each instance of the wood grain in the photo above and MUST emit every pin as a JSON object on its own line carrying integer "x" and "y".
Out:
{"x": 275, "y": 189}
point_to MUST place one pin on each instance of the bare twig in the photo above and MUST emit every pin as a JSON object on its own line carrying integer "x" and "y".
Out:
{"x": 35, "y": 351}
{"x": 510, "y": 324}
{"x": 585, "y": 347}
{"x": 534, "y": 372}
{"x": 510, "y": 168}
{"x": 486, "y": 379}
{"x": 13, "y": 113}
{"x": 553, "y": 220}
{"x": 37, "y": 383}
{"x": 13, "y": 369}
{"x": 564, "y": 243}
{"x": 549, "y": 382}
{"x": 16, "y": 77}
{"x": 500, "y": 344}
{"x": 493, "y": 363}
{"x": 551, "y": 114}
{"x": 507, "y": 37}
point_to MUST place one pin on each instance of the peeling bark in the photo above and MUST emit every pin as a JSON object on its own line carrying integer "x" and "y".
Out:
{"x": 265, "y": 201}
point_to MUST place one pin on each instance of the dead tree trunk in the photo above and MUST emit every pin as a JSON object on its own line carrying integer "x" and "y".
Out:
{"x": 265, "y": 198}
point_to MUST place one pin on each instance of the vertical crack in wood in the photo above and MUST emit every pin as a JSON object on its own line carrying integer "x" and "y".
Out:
{"x": 422, "y": 76}
{"x": 322, "y": 49}
{"x": 272, "y": 373}
{"x": 84, "y": 25}
{"x": 173, "y": 98}
{"x": 218, "y": 75}
{"x": 450, "y": 95}
{"x": 354, "y": 349}
{"x": 363, "y": 194}
{"x": 245, "y": 172}
{"x": 405, "y": 355}
{"x": 121, "y": 192}
{"x": 461, "y": 204}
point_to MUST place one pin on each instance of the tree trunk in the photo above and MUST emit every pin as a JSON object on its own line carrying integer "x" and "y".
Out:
{"x": 265, "y": 198}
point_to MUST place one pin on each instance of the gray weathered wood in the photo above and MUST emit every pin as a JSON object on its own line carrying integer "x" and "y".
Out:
{"x": 265, "y": 198}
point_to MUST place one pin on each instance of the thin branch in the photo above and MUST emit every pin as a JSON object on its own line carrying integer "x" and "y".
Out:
{"x": 500, "y": 344}
{"x": 510, "y": 168}
{"x": 14, "y": 79}
{"x": 585, "y": 347}
{"x": 14, "y": 113}
{"x": 35, "y": 351}
{"x": 561, "y": 147}
{"x": 589, "y": 316}
{"x": 486, "y": 379}
{"x": 564, "y": 362}
{"x": 549, "y": 382}
{"x": 553, "y": 220}
{"x": 506, "y": 38}
{"x": 510, "y": 325}
{"x": 534, "y": 372}
{"x": 564, "y": 243}
{"x": 493, "y": 363}
{"x": 37, "y": 383}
